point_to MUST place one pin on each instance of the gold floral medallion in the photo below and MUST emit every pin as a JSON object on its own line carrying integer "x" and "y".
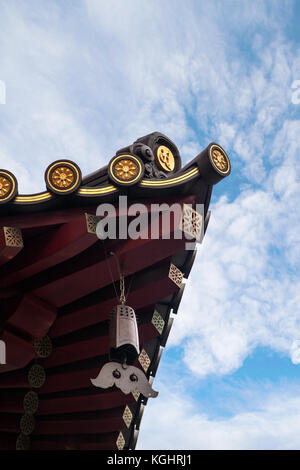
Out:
{"x": 63, "y": 177}
{"x": 126, "y": 169}
{"x": 5, "y": 186}
{"x": 220, "y": 160}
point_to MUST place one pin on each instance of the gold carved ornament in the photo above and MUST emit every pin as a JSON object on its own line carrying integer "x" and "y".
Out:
{"x": 13, "y": 237}
{"x": 63, "y": 177}
{"x": 91, "y": 222}
{"x": 23, "y": 442}
{"x": 27, "y": 424}
{"x": 144, "y": 360}
{"x": 175, "y": 275}
{"x": 165, "y": 158}
{"x": 220, "y": 159}
{"x": 43, "y": 346}
{"x": 136, "y": 394}
{"x": 126, "y": 169}
{"x": 5, "y": 186}
{"x": 158, "y": 322}
{"x": 191, "y": 222}
{"x": 31, "y": 402}
{"x": 8, "y": 186}
{"x": 127, "y": 416}
{"x": 36, "y": 376}
{"x": 120, "y": 443}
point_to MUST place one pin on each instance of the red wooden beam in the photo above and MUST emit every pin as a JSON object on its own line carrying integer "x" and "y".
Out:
{"x": 94, "y": 314}
{"x": 90, "y": 348}
{"x": 8, "y": 441}
{"x": 78, "y": 404}
{"x": 134, "y": 255}
{"x": 33, "y": 317}
{"x": 60, "y": 216}
{"x": 47, "y": 218}
{"x": 81, "y": 442}
{"x": 51, "y": 248}
{"x": 57, "y": 382}
{"x": 18, "y": 352}
{"x": 106, "y": 422}
{"x": 17, "y": 379}
{"x": 82, "y": 426}
{"x": 69, "y": 380}
{"x": 67, "y": 444}
{"x": 12, "y": 402}
{"x": 10, "y": 423}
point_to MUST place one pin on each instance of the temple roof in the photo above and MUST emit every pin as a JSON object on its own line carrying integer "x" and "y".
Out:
{"x": 155, "y": 178}
{"x": 57, "y": 291}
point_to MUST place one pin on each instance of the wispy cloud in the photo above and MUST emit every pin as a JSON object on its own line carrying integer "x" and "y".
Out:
{"x": 270, "y": 420}
{"x": 86, "y": 78}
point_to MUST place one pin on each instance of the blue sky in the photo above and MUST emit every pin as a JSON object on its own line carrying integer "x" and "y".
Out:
{"x": 84, "y": 78}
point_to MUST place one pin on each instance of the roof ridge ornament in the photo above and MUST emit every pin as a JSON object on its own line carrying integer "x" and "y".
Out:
{"x": 8, "y": 186}
{"x": 159, "y": 154}
{"x": 63, "y": 177}
{"x": 126, "y": 169}
{"x": 150, "y": 163}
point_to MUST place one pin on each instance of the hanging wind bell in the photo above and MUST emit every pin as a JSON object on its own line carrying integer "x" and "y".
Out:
{"x": 123, "y": 331}
{"x": 124, "y": 350}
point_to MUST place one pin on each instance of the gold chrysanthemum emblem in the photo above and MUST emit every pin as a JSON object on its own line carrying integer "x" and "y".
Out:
{"x": 5, "y": 186}
{"x": 63, "y": 177}
{"x": 219, "y": 160}
{"x": 126, "y": 169}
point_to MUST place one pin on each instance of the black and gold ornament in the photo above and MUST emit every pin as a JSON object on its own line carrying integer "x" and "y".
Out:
{"x": 8, "y": 186}
{"x": 63, "y": 177}
{"x": 125, "y": 170}
{"x": 213, "y": 164}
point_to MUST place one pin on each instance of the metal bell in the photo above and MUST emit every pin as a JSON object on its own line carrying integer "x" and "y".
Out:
{"x": 123, "y": 335}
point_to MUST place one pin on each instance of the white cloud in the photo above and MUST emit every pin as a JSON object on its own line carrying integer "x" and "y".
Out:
{"x": 85, "y": 81}
{"x": 295, "y": 352}
{"x": 270, "y": 420}
{"x": 86, "y": 87}
{"x": 243, "y": 291}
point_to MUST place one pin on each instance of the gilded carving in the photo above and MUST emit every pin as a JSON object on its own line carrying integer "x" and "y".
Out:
{"x": 125, "y": 169}
{"x": 63, "y": 177}
{"x": 136, "y": 395}
{"x": 13, "y": 237}
{"x": 158, "y": 322}
{"x": 191, "y": 222}
{"x": 23, "y": 442}
{"x": 165, "y": 158}
{"x": 219, "y": 160}
{"x": 91, "y": 222}
{"x": 144, "y": 360}
{"x": 36, "y": 376}
{"x": 127, "y": 416}
{"x": 175, "y": 275}
{"x": 27, "y": 424}
{"x": 31, "y": 402}
{"x": 43, "y": 346}
{"x": 5, "y": 186}
{"x": 120, "y": 441}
